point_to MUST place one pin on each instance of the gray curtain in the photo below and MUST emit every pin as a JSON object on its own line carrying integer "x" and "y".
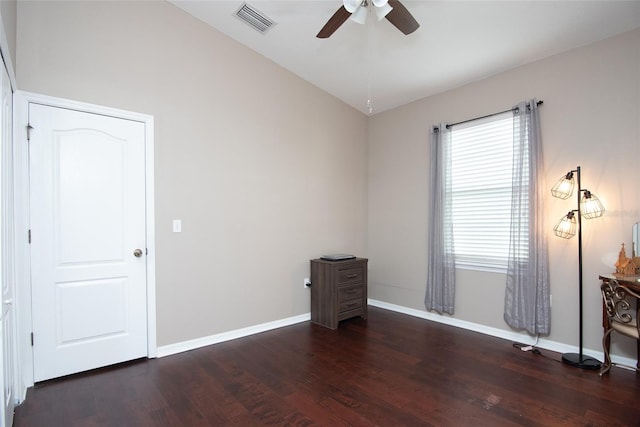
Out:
{"x": 526, "y": 303}
{"x": 441, "y": 263}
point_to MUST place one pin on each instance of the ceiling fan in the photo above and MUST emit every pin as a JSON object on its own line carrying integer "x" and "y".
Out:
{"x": 393, "y": 10}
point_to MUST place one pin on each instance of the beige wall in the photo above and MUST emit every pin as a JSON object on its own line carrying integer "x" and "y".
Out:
{"x": 264, "y": 170}
{"x": 590, "y": 117}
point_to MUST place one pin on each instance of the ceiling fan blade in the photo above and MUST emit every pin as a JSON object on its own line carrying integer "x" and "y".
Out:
{"x": 334, "y": 23}
{"x": 402, "y": 18}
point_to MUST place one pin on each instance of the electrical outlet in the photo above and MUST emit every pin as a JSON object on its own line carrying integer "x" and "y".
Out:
{"x": 307, "y": 282}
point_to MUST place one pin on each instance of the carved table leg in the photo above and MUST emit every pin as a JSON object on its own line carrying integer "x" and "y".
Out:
{"x": 606, "y": 340}
{"x": 607, "y": 346}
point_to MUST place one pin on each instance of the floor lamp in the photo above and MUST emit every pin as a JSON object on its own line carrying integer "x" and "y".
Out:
{"x": 588, "y": 207}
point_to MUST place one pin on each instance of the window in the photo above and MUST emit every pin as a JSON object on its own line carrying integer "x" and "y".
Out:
{"x": 481, "y": 187}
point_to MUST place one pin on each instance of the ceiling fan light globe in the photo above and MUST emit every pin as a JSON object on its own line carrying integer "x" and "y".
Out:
{"x": 360, "y": 15}
{"x": 380, "y": 3}
{"x": 351, "y": 5}
{"x": 382, "y": 11}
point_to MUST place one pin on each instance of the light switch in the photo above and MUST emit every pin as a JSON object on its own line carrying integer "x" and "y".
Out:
{"x": 177, "y": 226}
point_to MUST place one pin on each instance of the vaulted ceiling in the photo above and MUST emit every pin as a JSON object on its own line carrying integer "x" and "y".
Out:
{"x": 458, "y": 42}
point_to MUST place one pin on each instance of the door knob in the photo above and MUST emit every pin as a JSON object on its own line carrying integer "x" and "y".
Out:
{"x": 137, "y": 253}
{"x": 8, "y": 301}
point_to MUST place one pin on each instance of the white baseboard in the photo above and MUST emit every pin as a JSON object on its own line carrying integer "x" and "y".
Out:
{"x": 170, "y": 349}
{"x": 623, "y": 362}
{"x": 167, "y": 350}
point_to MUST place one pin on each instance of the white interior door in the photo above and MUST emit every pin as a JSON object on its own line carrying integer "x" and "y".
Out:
{"x": 87, "y": 204}
{"x": 7, "y": 250}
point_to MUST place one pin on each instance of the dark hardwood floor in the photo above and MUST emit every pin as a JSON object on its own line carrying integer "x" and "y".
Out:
{"x": 390, "y": 370}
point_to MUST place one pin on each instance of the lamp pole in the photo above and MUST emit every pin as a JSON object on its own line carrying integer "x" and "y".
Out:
{"x": 573, "y": 359}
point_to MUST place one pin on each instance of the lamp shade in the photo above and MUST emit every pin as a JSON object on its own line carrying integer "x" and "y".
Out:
{"x": 563, "y": 189}
{"x": 590, "y": 205}
{"x": 566, "y": 228}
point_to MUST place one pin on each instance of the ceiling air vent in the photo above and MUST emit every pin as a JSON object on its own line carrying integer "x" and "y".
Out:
{"x": 256, "y": 19}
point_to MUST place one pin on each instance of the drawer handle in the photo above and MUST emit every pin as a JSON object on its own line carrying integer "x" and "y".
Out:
{"x": 352, "y": 276}
{"x": 352, "y": 291}
{"x": 351, "y": 303}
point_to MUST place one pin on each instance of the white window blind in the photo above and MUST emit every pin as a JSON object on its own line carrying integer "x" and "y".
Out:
{"x": 481, "y": 176}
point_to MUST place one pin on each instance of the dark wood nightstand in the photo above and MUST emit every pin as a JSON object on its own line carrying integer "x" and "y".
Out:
{"x": 338, "y": 290}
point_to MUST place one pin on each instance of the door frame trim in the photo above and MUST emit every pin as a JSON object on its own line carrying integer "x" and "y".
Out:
{"x": 24, "y": 360}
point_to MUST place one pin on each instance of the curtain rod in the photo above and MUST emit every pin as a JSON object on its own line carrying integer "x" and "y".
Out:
{"x": 539, "y": 103}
